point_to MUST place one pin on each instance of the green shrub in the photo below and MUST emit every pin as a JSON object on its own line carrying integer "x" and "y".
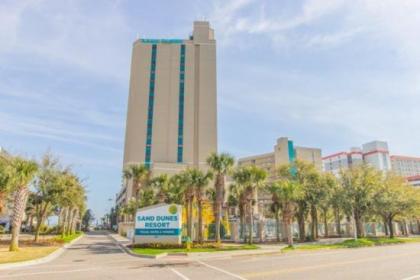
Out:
{"x": 351, "y": 243}
{"x": 2, "y": 230}
{"x": 212, "y": 231}
{"x": 158, "y": 246}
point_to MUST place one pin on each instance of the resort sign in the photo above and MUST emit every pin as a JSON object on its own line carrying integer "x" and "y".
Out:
{"x": 158, "y": 224}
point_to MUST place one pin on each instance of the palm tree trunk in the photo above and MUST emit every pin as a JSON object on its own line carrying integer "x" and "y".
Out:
{"x": 242, "y": 221}
{"x": 288, "y": 229}
{"x": 277, "y": 225}
{"x": 68, "y": 220}
{"x": 314, "y": 223}
{"x": 406, "y": 232}
{"x": 74, "y": 221}
{"x": 418, "y": 226}
{"x": 359, "y": 226}
{"x": 251, "y": 223}
{"x": 20, "y": 199}
{"x": 325, "y": 223}
{"x": 337, "y": 221}
{"x": 189, "y": 218}
{"x": 391, "y": 228}
{"x": 40, "y": 220}
{"x": 301, "y": 221}
{"x": 200, "y": 221}
{"x": 219, "y": 204}
{"x": 385, "y": 226}
{"x": 73, "y": 214}
{"x": 2, "y": 201}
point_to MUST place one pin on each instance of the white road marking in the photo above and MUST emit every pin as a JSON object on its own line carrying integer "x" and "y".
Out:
{"x": 412, "y": 277}
{"x": 222, "y": 270}
{"x": 182, "y": 276}
{"x": 45, "y": 272}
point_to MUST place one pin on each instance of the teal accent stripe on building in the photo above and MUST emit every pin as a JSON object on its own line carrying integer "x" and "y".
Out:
{"x": 292, "y": 156}
{"x": 148, "y": 151}
{"x": 180, "y": 148}
{"x": 291, "y": 150}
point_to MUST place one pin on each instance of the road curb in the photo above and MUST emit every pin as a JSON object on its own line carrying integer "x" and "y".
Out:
{"x": 48, "y": 258}
{"x": 129, "y": 252}
{"x": 232, "y": 254}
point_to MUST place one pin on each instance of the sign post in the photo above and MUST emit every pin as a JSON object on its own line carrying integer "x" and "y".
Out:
{"x": 159, "y": 223}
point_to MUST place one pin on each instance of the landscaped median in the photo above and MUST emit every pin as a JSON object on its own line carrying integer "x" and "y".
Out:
{"x": 29, "y": 250}
{"x": 157, "y": 249}
{"x": 351, "y": 243}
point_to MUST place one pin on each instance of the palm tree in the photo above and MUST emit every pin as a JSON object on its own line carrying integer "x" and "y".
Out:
{"x": 199, "y": 180}
{"x": 359, "y": 184}
{"x": 185, "y": 185}
{"x": 4, "y": 178}
{"x": 250, "y": 178}
{"x": 20, "y": 172}
{"x": 47, "y": 190}
{"x": 139, "y": 174}
{"x": 257, "y": 181}
{"x": 328, "y": 184}
{"x": 221, "y": 164}
{"x": 237, "y": 195}
{"x": 289, "y": 193}
{"x": 72, "y": 202}
{"x": 337, "y": 204}
{"x": 306, "y": 175}
{"x": 162, "y": 185}
{"x": 273, "y": 189}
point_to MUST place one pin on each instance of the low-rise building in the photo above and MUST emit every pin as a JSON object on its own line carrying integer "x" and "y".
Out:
{"x": 406, "y": 166}
{"x": 414, "y": 180}
{"x": 374, "y": 153}
{"x": 284, "y": 152}
{"x": 342, "y": 160}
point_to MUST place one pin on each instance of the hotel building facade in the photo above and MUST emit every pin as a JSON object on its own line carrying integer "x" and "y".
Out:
{"x": 172, "y": 112}
{"x": 374, "y": 153}
{"x": 284, "y": 152}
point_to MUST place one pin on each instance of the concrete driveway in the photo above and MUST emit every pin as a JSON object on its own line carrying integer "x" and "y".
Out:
{"x": 95, "y": 256}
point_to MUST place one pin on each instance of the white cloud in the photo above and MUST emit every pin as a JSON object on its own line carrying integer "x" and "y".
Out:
{"x": 232, "y": 20}
{"x": 92, "y": 40}
{"x": 59, "y": 131}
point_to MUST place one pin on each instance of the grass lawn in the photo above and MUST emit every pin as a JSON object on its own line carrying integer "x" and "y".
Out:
{"x": 25, "y": 253}
{"x": 29, "y": 250}
{"x": 351, "y": 243}
{"x": 68, "y": 238}
{"x": 157, "y": 251}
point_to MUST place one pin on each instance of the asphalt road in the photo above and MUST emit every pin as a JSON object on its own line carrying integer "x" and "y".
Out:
{"x": 95, "y": 256}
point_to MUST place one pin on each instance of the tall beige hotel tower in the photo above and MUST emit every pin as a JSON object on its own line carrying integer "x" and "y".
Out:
{"x": 172, "y": 114}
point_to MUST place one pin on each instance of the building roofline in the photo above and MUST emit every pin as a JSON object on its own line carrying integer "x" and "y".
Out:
{"x": 413, "y": 178}
{"x": 334, "y": 155}
{"x": 255, "y": 156}
{"x": 404, "y": 157}
{"x": 378, "y": 151}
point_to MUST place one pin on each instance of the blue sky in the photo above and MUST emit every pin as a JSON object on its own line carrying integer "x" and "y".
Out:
{"x": 329, "y": 74}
